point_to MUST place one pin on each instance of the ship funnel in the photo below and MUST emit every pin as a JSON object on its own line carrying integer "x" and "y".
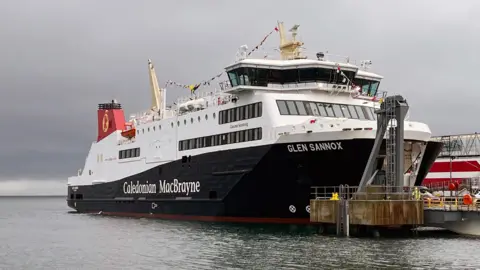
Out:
{"x": 110, "y": 119}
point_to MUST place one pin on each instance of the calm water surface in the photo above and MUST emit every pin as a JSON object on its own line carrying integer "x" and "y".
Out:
{"x": 39, "y": 233}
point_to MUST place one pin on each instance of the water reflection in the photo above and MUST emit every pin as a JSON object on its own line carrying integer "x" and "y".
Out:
{"x": 59, "y": 240}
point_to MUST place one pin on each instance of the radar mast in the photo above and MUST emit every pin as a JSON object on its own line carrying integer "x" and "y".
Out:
{"x": 289, "y": 48}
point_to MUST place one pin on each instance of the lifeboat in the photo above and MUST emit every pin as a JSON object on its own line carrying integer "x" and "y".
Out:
{"x": 130, "y": 133}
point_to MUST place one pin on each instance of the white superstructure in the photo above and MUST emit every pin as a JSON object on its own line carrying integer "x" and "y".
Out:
{"x": 293, "y": 101}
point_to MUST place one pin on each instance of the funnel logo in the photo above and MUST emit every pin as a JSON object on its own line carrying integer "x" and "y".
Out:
{"x": 105, "y": 122}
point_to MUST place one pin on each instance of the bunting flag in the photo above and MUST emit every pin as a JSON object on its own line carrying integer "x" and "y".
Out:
{"x": 263, "y": 41}
{"x": 194, "y": 87}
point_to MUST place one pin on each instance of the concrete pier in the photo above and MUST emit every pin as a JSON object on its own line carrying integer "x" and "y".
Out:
{"x": 378, "y": 208}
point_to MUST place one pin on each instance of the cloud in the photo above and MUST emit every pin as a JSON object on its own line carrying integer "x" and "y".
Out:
{"x": 61, "y": 58}
{"x": 29, "y": 187}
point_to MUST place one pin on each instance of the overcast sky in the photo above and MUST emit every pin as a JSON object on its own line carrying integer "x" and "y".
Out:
{"x": 59, "y": 59}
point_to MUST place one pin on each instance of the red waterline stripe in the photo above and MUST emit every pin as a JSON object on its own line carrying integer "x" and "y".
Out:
{"x": 457, "y": 166}
{"x": 211, "y": 218}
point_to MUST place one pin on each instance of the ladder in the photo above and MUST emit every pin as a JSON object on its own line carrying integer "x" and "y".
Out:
{"x": 390, "y": 145}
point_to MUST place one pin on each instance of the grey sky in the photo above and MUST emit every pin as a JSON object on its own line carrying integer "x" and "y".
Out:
{"x": 60, "y": 58}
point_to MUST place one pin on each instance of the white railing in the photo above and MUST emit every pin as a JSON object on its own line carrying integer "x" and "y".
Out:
{"x": 274, "y": 54}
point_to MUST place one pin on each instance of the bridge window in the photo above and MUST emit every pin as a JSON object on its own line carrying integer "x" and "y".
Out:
{"x": 221, "y": 139}
{"x": 369, "y": 87}
{"x": 240, "y": 113}
{"x": 263, "y": 76}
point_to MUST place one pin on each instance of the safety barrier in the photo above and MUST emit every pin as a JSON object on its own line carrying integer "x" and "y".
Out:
{"x": 347, "y": 192}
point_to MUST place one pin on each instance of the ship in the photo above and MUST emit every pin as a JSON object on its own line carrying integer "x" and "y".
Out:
{"x": 249, "y": 150}
{"x": 458, "y": 161}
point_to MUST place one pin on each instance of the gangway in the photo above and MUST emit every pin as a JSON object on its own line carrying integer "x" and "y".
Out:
{"x": 388, "y": 203}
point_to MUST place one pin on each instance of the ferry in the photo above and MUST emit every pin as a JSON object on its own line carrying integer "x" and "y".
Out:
{"x": 457, "y": 161}
{"x": 248, "y": 151}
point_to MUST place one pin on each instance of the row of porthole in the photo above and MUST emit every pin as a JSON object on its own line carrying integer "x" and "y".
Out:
{"x": 178, "y": 123}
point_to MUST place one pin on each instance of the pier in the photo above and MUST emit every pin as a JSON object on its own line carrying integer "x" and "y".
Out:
{"x": 378, "y": 208}
{"x": 383, "y": 199}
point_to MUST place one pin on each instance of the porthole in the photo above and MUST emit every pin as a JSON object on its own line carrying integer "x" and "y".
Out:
{"x": 178, "y": 123}
{"x": 159, "y": 127}
{"x": 153, "y": 128}
{"x": 148, "y": 129}
{"x": 206, "y": 117}
{"x": 191, "y": 120}
{"x": 199, "y": 119}
{"x": 171, "y": 124}
{"x": 213, "y": 115}
{"x": 184, "y": 121}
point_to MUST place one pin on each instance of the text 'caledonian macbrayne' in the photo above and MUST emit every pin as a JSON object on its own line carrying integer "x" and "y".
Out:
{"x": 163, "y": 187}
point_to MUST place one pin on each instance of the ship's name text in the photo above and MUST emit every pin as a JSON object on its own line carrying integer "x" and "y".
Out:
{"x": 312, "y": 147}
{"x": 163, "y": 187}
{"x": 239, "y": 125}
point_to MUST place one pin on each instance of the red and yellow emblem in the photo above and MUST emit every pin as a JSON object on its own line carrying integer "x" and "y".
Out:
{"x": 105, "y": 122}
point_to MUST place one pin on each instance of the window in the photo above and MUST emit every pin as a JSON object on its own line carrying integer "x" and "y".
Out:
{"x": 301, "y": 108}
{"x": 345, "y": 111}
{"x": 264, "y": 76}
{"x": 311, "y": 108}
{"x": 240, "y": 113}
{"x": 129, "y": 153}
{"x": 369, "y": 87}
{"x": 373, "y": 88}
{"x": 232, "y": 75}
{"x": 329, "y": 109}
{"x": 352, "y": 111}
{"x": 361, "y": 113}
{"x": 292, "y": 108}
{"x": 372, "y": 111}
{"x": 297, "y": 107}
{"x": 336, "y": 109}
{"x": 253, "y": 134}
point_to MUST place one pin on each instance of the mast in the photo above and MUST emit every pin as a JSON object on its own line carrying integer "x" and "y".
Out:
{"x": 157, "y": 92}
{"x": 289, "y": 49}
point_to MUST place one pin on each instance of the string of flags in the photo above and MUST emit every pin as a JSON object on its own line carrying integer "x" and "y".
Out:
{"x": 194, "y": 87}
{"x": 263, "y": 40}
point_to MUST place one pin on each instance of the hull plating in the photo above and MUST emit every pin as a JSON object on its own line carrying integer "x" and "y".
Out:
{"x": 258, "y": 184}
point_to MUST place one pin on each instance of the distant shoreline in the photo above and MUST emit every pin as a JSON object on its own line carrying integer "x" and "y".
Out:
{"x": 35, "y": 196}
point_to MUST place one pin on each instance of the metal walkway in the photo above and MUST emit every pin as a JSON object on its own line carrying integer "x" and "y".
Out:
{"x": 388, "y": 202}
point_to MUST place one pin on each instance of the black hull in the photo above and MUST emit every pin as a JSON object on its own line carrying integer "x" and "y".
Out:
{"x": 257, "y": 184}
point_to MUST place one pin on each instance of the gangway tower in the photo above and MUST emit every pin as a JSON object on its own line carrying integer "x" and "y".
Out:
{"x": 391, "y": 116}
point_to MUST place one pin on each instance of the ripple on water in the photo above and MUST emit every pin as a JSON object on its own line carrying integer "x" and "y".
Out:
{"x": 40, "y": 234}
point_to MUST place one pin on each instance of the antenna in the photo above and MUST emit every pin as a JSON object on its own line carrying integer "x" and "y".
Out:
{"x": 365, "y": 64}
